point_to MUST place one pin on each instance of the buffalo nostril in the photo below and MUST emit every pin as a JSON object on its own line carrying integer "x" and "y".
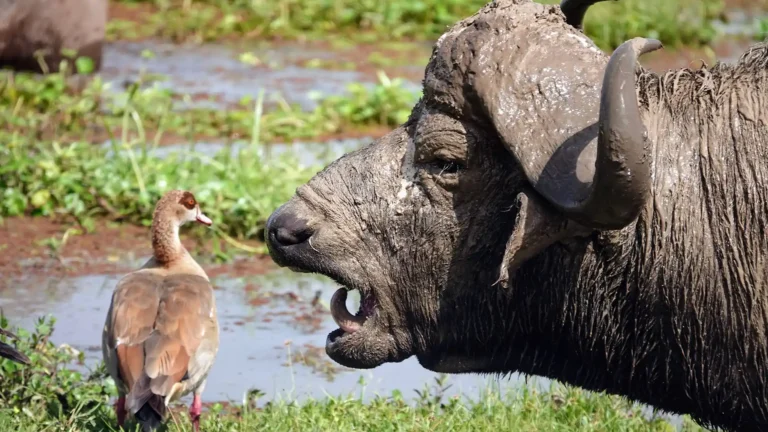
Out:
{"x": 286, "y": 230}
{"x": 287, "y": 237}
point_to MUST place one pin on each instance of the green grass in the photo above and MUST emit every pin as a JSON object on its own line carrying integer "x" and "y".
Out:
{"x": 83, "y": 181}
{"x": 531, "y": 411}
{"x": 760, "y": 32}
{"x": 49, "y": 395}
{"x": 674, "y": 22}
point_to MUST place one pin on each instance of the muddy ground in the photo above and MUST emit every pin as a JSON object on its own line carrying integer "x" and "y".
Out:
{"x": 33, "y": 246}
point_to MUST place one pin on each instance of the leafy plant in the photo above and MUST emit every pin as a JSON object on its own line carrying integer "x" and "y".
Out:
{"x": 761, "y": 33}
{"x": 84, "y": 181}
{"x": 673, "y": 21}
{"x": 50, "y": 384}
{"x": 50, "y": 107}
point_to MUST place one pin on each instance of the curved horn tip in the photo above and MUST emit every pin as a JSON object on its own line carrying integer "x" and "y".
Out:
{"x": 621, "y": 183}
{"x": 641, "y": 45}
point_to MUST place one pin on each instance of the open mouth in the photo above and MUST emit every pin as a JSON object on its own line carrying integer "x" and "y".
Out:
{"x": 363, "y": 339}
{"x": 348, "y": 323}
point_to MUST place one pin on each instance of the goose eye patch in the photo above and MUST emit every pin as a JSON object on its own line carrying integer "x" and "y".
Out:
{"x": 188, "y": 201}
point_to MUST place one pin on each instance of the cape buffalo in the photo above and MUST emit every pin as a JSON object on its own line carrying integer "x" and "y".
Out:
{"x": 552, "y": 211}
{"x": 30, "y": 29}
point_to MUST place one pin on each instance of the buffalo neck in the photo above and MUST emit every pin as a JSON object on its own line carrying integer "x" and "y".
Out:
{"x": 667, "y": 310}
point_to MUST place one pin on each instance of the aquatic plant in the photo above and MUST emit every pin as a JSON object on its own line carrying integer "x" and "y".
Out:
{"x": 675, "y": 23}
{"x": 123, "y": 181}
{"x": 761, "y": 29}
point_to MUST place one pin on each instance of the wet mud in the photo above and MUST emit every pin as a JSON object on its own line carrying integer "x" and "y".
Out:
{"x": 49, "y": 247}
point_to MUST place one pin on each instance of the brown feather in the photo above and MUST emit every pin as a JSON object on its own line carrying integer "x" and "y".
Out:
{"x": 139, "y": 394}
{"x": 130, "y": 363}
{"x": 134, "y": 307}
{"x": 184, "y": 308}
{"x": 157, "y": 404}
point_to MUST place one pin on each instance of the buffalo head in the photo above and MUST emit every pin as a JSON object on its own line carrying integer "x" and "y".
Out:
{"x": 527, "y": 137}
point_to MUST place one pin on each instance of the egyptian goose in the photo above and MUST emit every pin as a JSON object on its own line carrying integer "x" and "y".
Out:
{"x": 10, "y": 352}
{"x": 161, "y": 334}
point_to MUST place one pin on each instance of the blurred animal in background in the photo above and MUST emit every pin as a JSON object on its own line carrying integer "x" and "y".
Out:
{"x": 36, "y": 35}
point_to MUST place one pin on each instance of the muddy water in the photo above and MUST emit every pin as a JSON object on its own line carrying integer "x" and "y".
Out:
{"x": 740, "y": 22}
{"x": 228, "y": 73}
{"x": 217, "y": 71}
{"x": 273, "y": 328}
{"x": 305, "y": 153}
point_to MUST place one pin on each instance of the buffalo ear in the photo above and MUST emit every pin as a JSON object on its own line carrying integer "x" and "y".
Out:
{"x": 536, "y": 227}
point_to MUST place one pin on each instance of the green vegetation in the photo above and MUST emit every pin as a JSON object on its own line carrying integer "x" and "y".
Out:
{"x": 49, "y": 391}
{"x": 761, "y": 30}
{"x": 53, "y": 109}
{"x": 52, "y": 395}
{"x": 52, "y": 161}
{"x": 674, "y": 22}
{"x": 83, "y": 181}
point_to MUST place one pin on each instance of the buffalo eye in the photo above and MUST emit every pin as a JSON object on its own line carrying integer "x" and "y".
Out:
{"x": 446, "y": 166}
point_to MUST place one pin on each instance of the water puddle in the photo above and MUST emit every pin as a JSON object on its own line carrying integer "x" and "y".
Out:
{"x": 306, "y": 154}
{"x": 273, "y": 328}
{"x": 216, "y": 75}
{"x": 740, "y": 22}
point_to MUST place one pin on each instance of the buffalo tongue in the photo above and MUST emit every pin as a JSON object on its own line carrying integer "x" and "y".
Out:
{"x": 345, "y": 320}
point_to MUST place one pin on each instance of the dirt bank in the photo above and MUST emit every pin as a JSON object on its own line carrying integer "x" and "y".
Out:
{"x": 33, "y": 246}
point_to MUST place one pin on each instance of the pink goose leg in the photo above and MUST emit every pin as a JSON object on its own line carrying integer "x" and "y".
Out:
{"x": 120, "y": 411}
{"x": 195, "y": 410}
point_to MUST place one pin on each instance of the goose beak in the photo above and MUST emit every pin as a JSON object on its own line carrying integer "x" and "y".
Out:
{"x": 203, "y": 219}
